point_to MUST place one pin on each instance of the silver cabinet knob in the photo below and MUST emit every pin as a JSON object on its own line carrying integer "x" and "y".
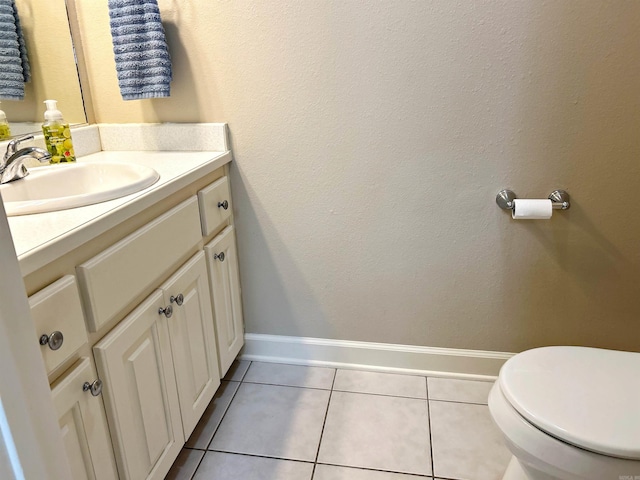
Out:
{"x": 179, "y": 299}
{"x": 224, "y": 204}
{"x": 54, "y": 340}
{"x": 219, "y": 256}
{"x": 166, "y": 311}
{"x": 95, "y": 388}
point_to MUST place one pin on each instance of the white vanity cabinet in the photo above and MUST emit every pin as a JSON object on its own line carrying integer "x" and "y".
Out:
{"x": 222, "y": 259}
{"x": 160, "y": 314}
{"x": 76, "y": 397}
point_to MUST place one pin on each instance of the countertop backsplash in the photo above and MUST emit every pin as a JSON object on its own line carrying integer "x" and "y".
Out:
{"x": 183, "y": 137}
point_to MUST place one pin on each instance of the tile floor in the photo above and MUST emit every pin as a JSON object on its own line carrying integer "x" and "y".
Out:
{"x": 273, "y": 421}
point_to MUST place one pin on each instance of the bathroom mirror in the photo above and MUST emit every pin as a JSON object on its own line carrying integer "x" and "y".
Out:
{"x": 54, "y": 72}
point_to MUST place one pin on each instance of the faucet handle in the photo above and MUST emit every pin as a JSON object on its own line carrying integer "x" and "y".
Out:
{"x": 12, "y": 147}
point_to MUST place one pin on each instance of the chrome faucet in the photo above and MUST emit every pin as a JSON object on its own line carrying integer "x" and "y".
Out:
{"x": 12, "y": 164}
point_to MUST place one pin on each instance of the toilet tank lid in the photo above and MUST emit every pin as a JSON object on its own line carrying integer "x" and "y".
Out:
{"x": 588, "y": 397}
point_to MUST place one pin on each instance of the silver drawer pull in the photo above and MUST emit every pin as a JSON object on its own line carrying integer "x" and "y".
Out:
{"x": 95, "y": 388}
{"x": 179, "y": 300}
{"x": 166, "y": 311}
{"x": 224, "y": 204}
{"x": 54, "y": 340}
{"x": 219, "y": 256}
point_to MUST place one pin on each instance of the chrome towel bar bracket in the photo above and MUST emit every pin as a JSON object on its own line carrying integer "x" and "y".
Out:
{"x": 559, "y": 199}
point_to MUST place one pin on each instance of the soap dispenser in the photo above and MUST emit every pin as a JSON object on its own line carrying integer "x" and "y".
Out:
{"x": 5, "y": 132}
{"x": 57, "y": 134}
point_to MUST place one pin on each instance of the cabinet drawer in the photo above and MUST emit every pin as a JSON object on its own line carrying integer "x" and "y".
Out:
{"x": 56, "y": 308}
{"x": 114, "y": 278}
{"x": 213, "y": 201}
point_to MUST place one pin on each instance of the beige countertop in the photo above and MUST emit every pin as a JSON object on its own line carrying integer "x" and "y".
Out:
{"x": 41, "y": 238}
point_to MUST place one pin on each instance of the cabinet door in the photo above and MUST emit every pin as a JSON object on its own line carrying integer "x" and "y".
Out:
{"x": 192, "y": 336}
{"x": 84, "y": 426}
{"x": 225, "y": 288}
{"x": 134, "y": 362}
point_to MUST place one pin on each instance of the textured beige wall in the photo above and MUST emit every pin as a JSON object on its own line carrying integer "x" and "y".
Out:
{"x": 53, "y": 68}
{"x": 371, "y": 138}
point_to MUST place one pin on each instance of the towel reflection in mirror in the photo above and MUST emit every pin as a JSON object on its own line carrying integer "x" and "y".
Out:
{"x": 14, "y": 63}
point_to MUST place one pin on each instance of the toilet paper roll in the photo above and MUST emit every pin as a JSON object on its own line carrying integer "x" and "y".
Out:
{"x": 526, "y": 209}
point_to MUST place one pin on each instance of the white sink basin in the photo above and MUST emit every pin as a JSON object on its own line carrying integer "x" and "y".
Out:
{"x": 58, "y": 187}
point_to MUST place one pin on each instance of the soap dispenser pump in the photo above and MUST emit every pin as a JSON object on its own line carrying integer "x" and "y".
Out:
{"x": 57, "y": 134}
{"x": 5, "y": 131}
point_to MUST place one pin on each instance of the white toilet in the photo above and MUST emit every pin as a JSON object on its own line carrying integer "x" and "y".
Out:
{"x": 570, "y": 413}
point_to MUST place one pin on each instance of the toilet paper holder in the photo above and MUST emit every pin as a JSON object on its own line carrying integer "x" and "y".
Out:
{"x": 559, "y": 199}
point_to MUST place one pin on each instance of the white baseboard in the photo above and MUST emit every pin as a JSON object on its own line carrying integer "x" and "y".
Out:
{"x": 442, "y": 362}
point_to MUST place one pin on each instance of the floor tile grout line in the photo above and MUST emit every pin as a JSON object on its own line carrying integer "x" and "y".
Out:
{"x": 244, "y": 375}
{"x": 382, "y": 395}
{"x": 256, "y": 455}
{"x": 426, "y": 377}
{"x": 224, "y": 414}
{"x": 458, "y": 401}
{"x": 341, "y": 391}
{"x": 308, "y": 462}
{"x": 433, "y": 468}
{"x": 204, "y": 454}
{"x": 219, "y": 423}
{"x": 266, "y": 457}
{"x": 214, "y": 432}
{"x": 397, "y": 472}
{"x": 282, "y": 385}
{"x": 356, "y": 392}
{"x": 324, "y": 422}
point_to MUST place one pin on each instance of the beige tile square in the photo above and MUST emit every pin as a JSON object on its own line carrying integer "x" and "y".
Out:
{"x": 331, "y": 472}
{"x": 290, "y": 375}
{"x": 185, "y": 465}
{"x": 212, "y": 416}
{"x": 237, "y": 370}
{"x": 381, "y": 383}
{"x": 377, "y": 432}
{"x": 456, "y": 390}
{"x": 466, "y": 443}
{"x": 228, "y": 466}
{"x": 273, "y": 421}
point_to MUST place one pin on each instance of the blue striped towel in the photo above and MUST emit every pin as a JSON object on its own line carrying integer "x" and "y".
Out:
{"x": 140, "y": 48}
{"x": 14, "y": 63}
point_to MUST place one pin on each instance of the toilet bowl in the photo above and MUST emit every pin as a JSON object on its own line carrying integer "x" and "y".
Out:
{"x": 570, "y": 413}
